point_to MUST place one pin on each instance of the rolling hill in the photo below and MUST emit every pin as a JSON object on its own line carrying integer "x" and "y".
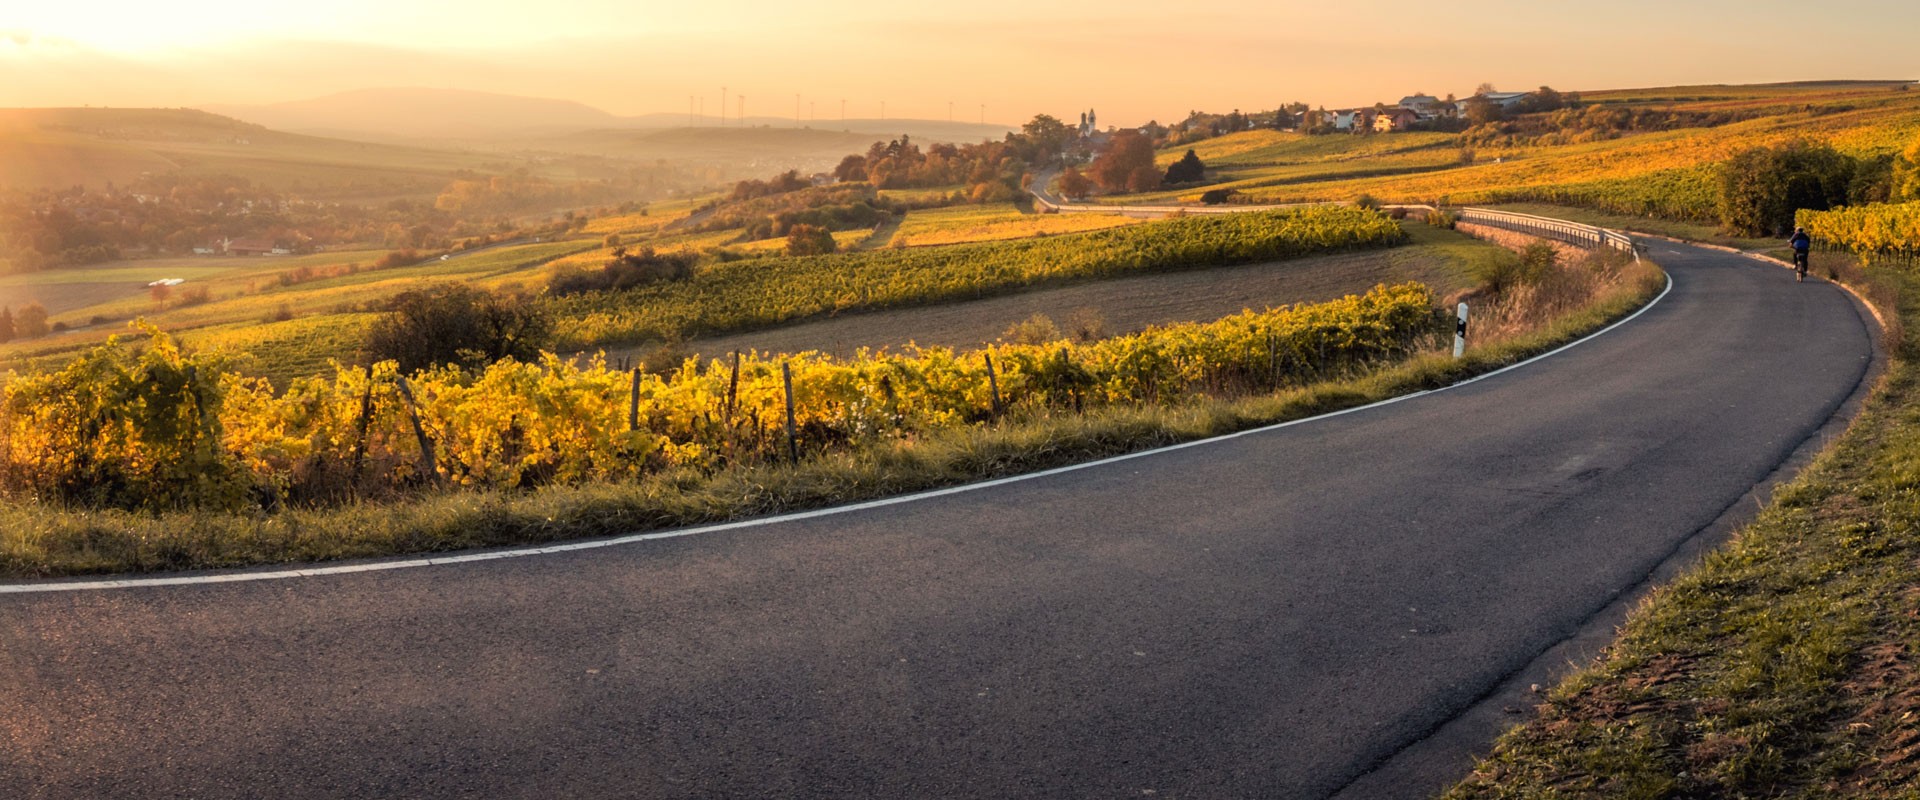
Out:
{"x": 59, "y": 148}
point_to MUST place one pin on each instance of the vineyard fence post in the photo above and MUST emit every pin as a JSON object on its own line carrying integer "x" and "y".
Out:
{"x": 633, "y": 402}
{"x": 793, "y": 441}
{"x": 427, "y": 459}
{"x": 993, "y": 384}
{"x": 358, "y": 462}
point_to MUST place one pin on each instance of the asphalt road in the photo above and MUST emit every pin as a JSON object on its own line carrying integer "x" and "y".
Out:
{"x": 1267, "y": 616}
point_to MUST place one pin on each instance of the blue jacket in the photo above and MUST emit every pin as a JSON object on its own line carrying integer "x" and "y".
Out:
{"x": 1801, "y": 242}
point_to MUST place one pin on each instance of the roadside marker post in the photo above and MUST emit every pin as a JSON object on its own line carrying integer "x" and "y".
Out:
{"x": 1460, "y": 333}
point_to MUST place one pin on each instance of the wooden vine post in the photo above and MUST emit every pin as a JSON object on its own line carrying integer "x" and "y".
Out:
{"x": 359, "y": 459}
{"x": 993, "y": 384}
{"x": 427, "y": 459}
{"x": 633, "y": 402}
{"x": 793, "y": 439}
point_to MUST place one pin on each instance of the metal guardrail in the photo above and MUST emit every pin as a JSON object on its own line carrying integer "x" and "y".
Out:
{"x": 1559, "y": 230}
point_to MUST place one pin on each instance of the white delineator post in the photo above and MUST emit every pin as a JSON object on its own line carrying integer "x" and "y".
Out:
{"x": 1460, "y": 333}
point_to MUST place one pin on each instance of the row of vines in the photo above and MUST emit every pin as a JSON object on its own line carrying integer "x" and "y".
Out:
{"x": 1875, "y": 232}
{"x": 157, "y": 427}
{"x": 758, "y": 293}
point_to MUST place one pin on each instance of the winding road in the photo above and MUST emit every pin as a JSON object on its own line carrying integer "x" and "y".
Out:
{"x": 1271, "y": 615}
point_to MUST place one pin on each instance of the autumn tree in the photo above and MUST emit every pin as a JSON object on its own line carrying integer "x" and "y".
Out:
{"x": 852, "y": 168}
{"x": 1481, "y": 111}
{"x": 1074, "y": 185}
{"x": 1126, "y": 153}
{"x": 1048, "y": 136}
{"x": 31, "y": 322}
{"x": 1189, "y": 169}
{"x": 809, "y": 240}
{"x": 1143, "y": 179}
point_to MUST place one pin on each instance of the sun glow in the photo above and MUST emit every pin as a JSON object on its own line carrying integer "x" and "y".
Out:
{"x": 121, "y": 26}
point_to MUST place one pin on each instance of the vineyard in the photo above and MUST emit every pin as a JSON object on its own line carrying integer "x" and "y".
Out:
{"x": 967, "y": 224}
{"x": 1875, "y": 232}
{"x": 157, "y": 427}
{"x": 756, "y": 293}
{"x": 1665, "y": 173}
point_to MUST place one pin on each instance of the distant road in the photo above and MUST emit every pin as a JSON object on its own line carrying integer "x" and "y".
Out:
{"x": 1266, "y": 616}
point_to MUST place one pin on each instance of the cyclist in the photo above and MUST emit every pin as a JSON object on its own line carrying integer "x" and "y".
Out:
{"x": 1801, "y": 244}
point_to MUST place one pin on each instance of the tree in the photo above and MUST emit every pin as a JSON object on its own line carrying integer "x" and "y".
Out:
{"x": 1189, "y": 169}
{"x": 31, "y": 322}
{"x": 1481, "y": 111}
{"x": 808, "y": 240}
{"x": 852, "y": 168}
{"x": 6, "y": 325}
{"x": 1143, "y": 179}
{"x": 1762, "y": 188}
{"x": 457, "y": 324}
{"x": 1484, "y": 89}
{"x": 1546, "y": 99}
{"x": 1127, "y": 152}
{"x": 1048, "y": 136}
{"x": 1074, "y": 185}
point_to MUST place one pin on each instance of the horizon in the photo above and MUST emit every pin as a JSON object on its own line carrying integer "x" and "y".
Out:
{"x": 914, "y": 63}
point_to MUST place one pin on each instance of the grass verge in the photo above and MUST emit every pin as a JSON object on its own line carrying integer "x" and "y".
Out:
{"x": 1786, "y": 665}
{"x": 46, "y": 541}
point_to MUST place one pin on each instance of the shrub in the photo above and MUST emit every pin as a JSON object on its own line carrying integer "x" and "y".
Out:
{"x": 457, "y": 325}
{"x": 624, "y": 271}
{"x": 1214, "y": 197}
{"x": 1761, "y": 188}
{"x": 1443, "y": 219}
{"x": 1503, "y": 271}
{"x": 1189, "y": 169}
{"x": 1367, "y": 202}
{"x": 30, "y": 321}
{"x": 808, "y": 240}
{"x": 1035, "y": 330}
{"x": 1087, "y": 324}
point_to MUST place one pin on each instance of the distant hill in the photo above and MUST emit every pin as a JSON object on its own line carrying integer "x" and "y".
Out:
{"x": 443, "y": 115}
{"x": 747, "y": 152}
{"x": 424, "y": 114}
{"x": 57, "y": 148}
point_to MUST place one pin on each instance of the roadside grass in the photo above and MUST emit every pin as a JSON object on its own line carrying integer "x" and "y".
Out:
{"x": 1786, "y": 665}
{"x": 38, "y": 540}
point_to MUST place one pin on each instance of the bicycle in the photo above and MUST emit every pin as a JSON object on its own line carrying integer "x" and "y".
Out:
{"x": 1800, "y": 266}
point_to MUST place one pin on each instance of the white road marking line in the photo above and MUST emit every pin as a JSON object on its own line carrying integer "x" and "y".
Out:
{"x": 522, "y": 552}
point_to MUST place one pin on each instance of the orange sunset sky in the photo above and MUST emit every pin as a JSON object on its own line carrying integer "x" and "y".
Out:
{"x": 1130, "y": 60}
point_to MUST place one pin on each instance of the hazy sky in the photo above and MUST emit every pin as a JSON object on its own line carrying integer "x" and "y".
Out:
{"x": 1130, "y": 59}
